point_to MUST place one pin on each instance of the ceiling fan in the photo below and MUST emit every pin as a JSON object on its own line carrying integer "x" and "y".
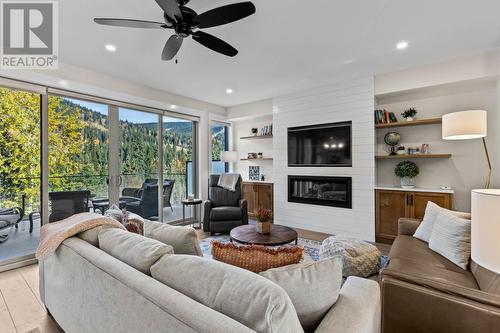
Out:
{"x": 186, "y": 22}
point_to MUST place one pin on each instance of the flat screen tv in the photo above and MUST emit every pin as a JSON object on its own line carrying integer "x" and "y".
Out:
{"x": 320, "y": 145}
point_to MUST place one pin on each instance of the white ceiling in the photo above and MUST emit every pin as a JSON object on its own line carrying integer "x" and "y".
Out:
{"x": 287, "y": 44}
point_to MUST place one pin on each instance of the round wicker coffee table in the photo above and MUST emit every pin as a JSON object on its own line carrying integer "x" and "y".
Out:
{"x": 279, "y": 235}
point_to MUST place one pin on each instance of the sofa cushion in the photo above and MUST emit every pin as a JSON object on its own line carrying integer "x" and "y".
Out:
{"x": 226, "y": 213}
{"x": 421, "y": 270}
{"x": 432, "y": 211}
{"x": 408, "y": 247}
{"x": 313, "y": 287}
{"x": 133, "y": 249}
{"x": 242, "y": 295}
{"x": 184, "y": 240}
{"x": 451, "y": 237}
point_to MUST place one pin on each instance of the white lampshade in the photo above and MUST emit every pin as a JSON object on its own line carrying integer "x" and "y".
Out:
{"x": 486, "y": 229}
{"x": 229, "y": 156}
{"x": 465, "y": 125}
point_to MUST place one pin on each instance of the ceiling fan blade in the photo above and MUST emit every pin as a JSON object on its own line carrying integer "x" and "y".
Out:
{"x": 225, "y": 14}
{"x": 214, "y": 43}
{"x": 171, "y": 8}
{"x": 171, "y": 47}
{"x": 130, "y": 23}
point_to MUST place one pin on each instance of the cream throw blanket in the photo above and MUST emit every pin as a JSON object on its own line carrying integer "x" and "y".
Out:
{"x": 53, "y": 234}
{"x": 228, "y": 181}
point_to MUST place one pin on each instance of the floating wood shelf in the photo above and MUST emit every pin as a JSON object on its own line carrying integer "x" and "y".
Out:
{"x": 389, "y": 157}
{"x": 410, "y": 123}
{"x": 257, "y": 159}
{"x": 256, "y": 137}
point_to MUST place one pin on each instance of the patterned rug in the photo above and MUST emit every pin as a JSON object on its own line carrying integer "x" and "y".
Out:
{"x": 311, "y": 248}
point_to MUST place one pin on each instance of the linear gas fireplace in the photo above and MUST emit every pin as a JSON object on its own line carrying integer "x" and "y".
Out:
{"x": 320, "y": 190}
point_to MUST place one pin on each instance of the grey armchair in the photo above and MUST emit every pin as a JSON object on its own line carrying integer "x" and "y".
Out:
{"x": 224, "y": 209}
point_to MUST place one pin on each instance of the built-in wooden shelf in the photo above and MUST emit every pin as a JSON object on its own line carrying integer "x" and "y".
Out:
{"x": 257, "y": 159}
{"x": 389, "y": 157}
{"x": 256, "y": 137}
{"x": 410, "y": 123}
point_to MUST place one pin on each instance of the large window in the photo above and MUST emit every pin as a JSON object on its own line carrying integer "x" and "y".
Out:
{"x": 219, "y": 143}
{"x": 78, "y": 146}
{"x": 178, "y": 153}
{"x": 20, "y": 172}
{"x": 57, "y": 148}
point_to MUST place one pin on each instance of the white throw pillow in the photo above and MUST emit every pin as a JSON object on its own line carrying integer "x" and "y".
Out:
{"x": 432, "y": 210}
{"x": 451, "y": 238}
{"x": 313, "y": 287}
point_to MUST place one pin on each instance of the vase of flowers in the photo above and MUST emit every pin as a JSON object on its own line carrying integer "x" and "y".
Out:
{"x": 263, "y": 217}
{"x": 409, "y": 114}
{"x": 407, "y": 171}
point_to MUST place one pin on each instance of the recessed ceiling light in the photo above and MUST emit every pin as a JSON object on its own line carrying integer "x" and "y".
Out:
{"x": 229, "y": 91}
{"x": 173, "y": 106}
{"x": 110, "y": 47}
{"x": 402, "y": 45}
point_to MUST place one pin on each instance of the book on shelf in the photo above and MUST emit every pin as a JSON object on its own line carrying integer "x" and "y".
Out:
{"x": 385, "y": 117}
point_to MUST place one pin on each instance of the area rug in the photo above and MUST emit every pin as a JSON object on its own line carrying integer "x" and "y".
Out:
{"x": 311, "y": 248}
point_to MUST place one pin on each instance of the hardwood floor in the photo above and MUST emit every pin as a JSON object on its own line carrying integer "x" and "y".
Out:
{"x": 21, "y": 310}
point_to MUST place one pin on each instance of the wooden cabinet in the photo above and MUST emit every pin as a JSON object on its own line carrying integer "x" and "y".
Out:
{"x": 258, "y": 195}
{"x": 391, "y": 205}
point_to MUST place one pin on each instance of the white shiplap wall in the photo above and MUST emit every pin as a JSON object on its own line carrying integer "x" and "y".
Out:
{"x": 352, "y": 100}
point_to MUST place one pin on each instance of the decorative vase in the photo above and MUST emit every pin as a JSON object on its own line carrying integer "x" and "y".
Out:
{"x": 407, "y": 182}
{"x": 263, "y": 227}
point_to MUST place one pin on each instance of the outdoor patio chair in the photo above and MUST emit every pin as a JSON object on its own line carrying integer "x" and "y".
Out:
{"x": 168, "y": 186}
{"x": 10, "y": 217}
{"x": 67, "y": 203}
{"x": 147, "y": 205}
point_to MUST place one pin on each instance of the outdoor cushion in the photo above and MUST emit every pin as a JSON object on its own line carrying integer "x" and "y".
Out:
{"x": 133, "y": 249}
{"x": 225, "y": 213}
{"x": 242, "y": 295}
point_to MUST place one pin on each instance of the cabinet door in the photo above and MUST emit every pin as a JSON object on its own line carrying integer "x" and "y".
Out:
{"x": 390, "y": 206}
{"x": 265, "y": 196}
{"x": 248, "y": 193}
{"x": 418, "y": 202}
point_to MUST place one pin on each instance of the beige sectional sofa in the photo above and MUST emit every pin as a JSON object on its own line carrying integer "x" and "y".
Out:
{"x": 88, "y": 290}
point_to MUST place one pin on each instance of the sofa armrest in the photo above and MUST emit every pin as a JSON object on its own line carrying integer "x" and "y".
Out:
{"x": 407, "y": 226}
{"x": 357, "y": 310}
{"x": 244, "y": 208}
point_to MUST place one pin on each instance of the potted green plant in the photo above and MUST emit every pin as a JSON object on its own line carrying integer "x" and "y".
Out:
{"x": 263, "y": 217}
{"x": 407, "y": 171}
{"x": 254, "y": 131}
{"x": 409, "y": 114}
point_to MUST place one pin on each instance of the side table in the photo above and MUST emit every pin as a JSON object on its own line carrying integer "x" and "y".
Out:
{"x": 193, "y": 203}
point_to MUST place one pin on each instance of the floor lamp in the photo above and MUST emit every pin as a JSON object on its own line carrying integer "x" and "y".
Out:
{"x": 467, "y": 125}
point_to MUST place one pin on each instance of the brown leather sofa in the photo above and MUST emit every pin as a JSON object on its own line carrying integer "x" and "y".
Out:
{"x": 424, "y": 292}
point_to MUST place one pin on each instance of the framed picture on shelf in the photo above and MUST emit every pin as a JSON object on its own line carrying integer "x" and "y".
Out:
{"x": 254, "y": 172}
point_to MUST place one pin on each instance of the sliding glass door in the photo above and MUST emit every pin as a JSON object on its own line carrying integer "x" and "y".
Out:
{"x": 20, "y": 173}
{"x": 178, "y": 165}
{"x": 138, "y": 150}
{"x": 77, "y": 154}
